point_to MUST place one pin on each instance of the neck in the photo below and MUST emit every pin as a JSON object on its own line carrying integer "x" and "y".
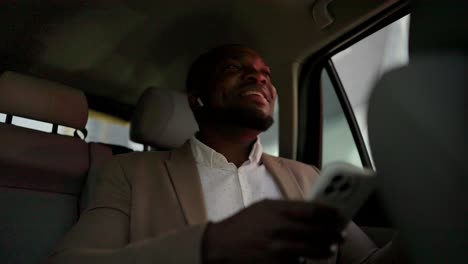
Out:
{"x": 232, "y": 142}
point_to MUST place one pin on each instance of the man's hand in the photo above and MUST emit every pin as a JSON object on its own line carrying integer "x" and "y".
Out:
{"x": 275, "y": 232}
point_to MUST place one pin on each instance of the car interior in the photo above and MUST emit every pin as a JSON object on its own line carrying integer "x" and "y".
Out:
{"x": 82, "y": 81}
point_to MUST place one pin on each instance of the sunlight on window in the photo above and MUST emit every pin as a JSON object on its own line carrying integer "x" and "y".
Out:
{"x": 337, "y": 139}
{"x": 369, "y": 59}
{"x": 2, "y": 117}
{"x": 33, "y": 124}
{"x": 270, "y": 138}
{"x": 68, "y": 131}
{"x": 107, "y": 129}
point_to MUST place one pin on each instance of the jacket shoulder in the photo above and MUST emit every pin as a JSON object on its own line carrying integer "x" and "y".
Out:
{"x": 304, "y": 174}
{"x": 109, "y": 184}
{"x": 137, "y": 163}
{"x": 143, "y": 156}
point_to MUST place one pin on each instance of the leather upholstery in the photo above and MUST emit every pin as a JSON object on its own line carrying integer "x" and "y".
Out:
{"x": 31, "y": 222}
{"x": 98, "y": 155}
{"x": 42, "y": 100}
{"x": 42, "y": 161}
{"x": 417, "y": 128}
{"x": 41, "y": 174}
{"x": 418, "y": 133}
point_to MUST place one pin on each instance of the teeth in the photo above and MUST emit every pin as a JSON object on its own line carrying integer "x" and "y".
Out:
{"x": 252, "y": 92}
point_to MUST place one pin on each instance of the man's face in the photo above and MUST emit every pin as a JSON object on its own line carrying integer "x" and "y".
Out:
{"x": 242, "y": 82}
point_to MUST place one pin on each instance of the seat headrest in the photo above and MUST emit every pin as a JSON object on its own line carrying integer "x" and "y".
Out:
{"x": 450, "y": 34}
{"x": 162, "y": 119}
{"x": 42, "y": 100}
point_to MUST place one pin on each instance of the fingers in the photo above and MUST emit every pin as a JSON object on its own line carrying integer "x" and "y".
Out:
{"x": 294, "y": 250}
{"x": 306, "y": 241}
{"x": 313, "y": 214}
{"x": 307, "y": 229}
{"x": 285, "y": 231}
{"x": 304, "y": 219}
{"x": 310, "y": 234}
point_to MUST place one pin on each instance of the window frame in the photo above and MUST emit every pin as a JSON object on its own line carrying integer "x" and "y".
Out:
{"x": 309, "y": 137}
{"x": 349, "y": 114}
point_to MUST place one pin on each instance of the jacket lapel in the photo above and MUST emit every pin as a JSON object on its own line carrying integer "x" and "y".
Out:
{"x": 184, "y": 174}
{"x": 283, "y": 177}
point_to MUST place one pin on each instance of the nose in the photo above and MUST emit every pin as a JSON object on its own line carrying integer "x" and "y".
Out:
{"x": 256, "y": 76}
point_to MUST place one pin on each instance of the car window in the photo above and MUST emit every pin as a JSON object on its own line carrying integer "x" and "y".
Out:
{"x": 270, "y": 138}
{"x": 100, "y": 128}
{"x": 104, "y": 128}
{"x": 358, "y": 68}
{"x": 37, "y": 125}
{"x": 337, "y": 139}
{"x": 30, "y": 123}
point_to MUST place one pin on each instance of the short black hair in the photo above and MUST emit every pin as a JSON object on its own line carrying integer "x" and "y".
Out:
{"x": 200, "y": 69}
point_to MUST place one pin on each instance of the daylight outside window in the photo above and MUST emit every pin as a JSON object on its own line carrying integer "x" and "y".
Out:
{"x": 359, "y": 67}
{"x": 107, "y": 129}
{"x": 101, "y": 128}
{"x": 30, "y": 123}
{"x": 270, "y": 138}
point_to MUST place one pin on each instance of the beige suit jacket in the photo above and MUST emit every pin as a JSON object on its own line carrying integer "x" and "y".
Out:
{"x": 149, "y": 208}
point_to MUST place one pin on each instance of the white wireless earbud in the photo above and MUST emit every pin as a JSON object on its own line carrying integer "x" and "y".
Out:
{"x": 199, "y": 101}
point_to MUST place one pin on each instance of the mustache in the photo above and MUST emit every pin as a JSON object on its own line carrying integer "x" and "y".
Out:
{"x": 250, "y": 87}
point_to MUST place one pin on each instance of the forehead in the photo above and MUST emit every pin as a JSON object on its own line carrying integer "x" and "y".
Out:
{"x": 241, "y": 55}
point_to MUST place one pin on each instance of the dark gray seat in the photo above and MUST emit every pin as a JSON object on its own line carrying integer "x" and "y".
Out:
{"x": 42, "y": 174}
{"x": 418, "y": 128}
{"x": 417, "y": 124}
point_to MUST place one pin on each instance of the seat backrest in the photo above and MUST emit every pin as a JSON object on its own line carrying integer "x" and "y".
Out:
{"x": 418, "y": 127}
{"x": 418, "y": 134}
{"x": 162, "y": 119}
{"x": 42, "y": 173}
{"x": 99, "y": 153}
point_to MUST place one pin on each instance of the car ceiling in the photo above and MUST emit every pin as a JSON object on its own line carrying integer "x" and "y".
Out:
{"x": 118, "y": 48}
{"x": 114, "y": 49}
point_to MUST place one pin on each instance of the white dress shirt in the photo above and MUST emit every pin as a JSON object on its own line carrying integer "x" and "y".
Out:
{"x": 228, "y": 189}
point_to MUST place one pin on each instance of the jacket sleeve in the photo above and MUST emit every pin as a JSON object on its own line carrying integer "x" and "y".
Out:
{"x": 102, "y": 232}
{"x": 358, "y": 248}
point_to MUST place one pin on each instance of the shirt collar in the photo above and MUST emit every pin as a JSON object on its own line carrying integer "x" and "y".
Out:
{"x": 256, "y": 152}
{"x": 207, "y": 156}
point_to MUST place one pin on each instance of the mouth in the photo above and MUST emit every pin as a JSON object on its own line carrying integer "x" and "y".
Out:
{"x": 255, "y": 93}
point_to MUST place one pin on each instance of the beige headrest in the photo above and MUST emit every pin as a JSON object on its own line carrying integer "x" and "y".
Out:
{"x": 162, "y": 119}
{"x": 38, "y": 99}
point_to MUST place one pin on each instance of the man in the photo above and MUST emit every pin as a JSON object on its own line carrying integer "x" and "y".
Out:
{"x": 200, "y": 203}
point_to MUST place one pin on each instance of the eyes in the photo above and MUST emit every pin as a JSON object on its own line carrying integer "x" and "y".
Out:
{"x": 234, "y": 67}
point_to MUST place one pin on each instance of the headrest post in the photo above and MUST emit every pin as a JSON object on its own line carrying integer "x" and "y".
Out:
{"x": 8, "y": 119}
{"x": 83, "y": 131}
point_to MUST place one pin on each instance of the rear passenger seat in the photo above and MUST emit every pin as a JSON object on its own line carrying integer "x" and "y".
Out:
{"x": 41, "y": 174}
{"x": 98, "y": 154}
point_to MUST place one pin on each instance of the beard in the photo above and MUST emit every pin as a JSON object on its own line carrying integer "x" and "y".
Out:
{"x": 235, "y": 116}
